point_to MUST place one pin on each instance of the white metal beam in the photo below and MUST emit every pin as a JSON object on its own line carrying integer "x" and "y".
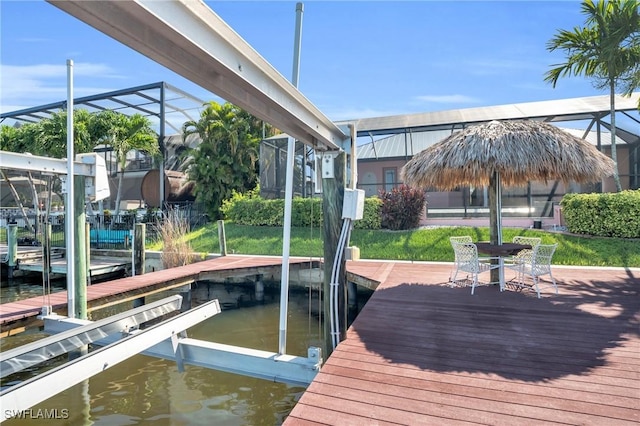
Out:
{"x": 266, "y": 365}
{"x": 187, "y": 37}
{"x": 24, "y": 395}
{"x": 233, "y": 359}
{"x": 35, "y": 163}
{"x": 41, "y": 350}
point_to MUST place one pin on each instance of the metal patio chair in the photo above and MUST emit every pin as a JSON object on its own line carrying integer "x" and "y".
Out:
{"x": 538, "y": 265}
{"x": 467, "y": 260}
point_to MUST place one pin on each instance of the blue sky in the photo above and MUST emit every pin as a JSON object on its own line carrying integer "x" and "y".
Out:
{"x": 358, "y": 59}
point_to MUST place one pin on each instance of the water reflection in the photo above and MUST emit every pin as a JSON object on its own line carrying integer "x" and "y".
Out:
{"x": 145, "y": 390}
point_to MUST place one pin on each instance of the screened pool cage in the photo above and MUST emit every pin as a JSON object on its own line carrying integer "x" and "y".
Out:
{"x": 273, "y": 168}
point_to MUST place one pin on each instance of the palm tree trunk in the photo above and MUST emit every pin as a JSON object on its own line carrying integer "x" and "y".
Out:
{"x": 614, "y": 153}
{"x": 118, "y": 194}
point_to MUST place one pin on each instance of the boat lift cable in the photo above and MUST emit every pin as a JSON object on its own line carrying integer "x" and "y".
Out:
{"x": 46, "y": 250}
{"x": 310, "y": 265}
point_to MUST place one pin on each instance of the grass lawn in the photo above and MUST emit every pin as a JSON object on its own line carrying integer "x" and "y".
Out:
{"x": 430, "y": 244}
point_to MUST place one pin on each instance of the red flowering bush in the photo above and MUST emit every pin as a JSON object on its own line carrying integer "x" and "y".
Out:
{"x": 402, "y": 207}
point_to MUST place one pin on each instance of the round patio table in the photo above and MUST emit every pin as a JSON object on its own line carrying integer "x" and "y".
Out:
{"x": 504, "y": 249}
{"x": 500, "y": 250}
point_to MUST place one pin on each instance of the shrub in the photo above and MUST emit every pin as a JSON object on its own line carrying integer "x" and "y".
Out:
{"x": 604, "y": 215}
{"x": 371, "y": 218}
{"x": 402, "y": 207}
{"x": 305, "y": 212}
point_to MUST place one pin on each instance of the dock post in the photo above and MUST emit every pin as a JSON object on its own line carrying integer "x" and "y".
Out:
{"x": 186, "y": 298}
{"x": 87, "y": 242}
{"x": 139, "y": 258}
{"x": 222, "y": 238}
{"x": 259, "y": 288}
{"x": 352, "y": 301}
{"x": 46, "y": 264}
{"x": 352, "y": 294}
{"x": 80, "y": 248}
{"x": 12, "y": 242}
{"x": 333, "y": 198}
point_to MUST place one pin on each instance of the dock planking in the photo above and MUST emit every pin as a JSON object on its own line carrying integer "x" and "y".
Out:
{"x": 421, "y": 352}
{"x": 14, "y": 314}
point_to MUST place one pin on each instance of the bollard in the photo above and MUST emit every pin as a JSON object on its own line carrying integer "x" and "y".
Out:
{"x": 222, "y": 238}
{"x": 259, "y": 293}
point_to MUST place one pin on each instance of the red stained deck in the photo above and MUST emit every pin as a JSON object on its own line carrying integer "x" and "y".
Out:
{"x": 117, "y": 291}
{"x": 422, "y": 353}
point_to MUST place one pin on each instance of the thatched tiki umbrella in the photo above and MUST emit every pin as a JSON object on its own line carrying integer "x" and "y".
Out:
{"x": 509, "y": 153}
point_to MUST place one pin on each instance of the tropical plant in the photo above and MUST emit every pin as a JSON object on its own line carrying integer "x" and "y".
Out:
{"x": 226, "y": 160}
{"x": 48, "y": 137}
{"x": 606, "y": 49}
{"x": 124, "y": 134}
{"x": 52, "y": 139}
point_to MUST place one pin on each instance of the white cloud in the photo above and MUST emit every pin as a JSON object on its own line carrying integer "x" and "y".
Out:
{"x": 448, "y": 99}
{"x": 25, "y": 86}
{"x": 341, "y": 114}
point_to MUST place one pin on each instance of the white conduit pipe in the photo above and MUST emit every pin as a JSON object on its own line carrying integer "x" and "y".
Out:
{"x": 334, "y": 317}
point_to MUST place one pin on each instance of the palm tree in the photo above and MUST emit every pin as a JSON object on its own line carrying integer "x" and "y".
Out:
{"x": 606, "y": 49}
{"x": 124, "y": 134}
{"x": 52, "y": 139}
{"x": 226, "y": 158}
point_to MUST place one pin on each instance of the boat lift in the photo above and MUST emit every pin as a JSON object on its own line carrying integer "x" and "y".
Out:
{"x": 122, "y": 338}
{"x": 120, "y": 334}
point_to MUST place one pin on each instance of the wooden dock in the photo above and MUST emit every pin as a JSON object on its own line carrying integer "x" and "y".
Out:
{"x": 15, "y": 315}
{"x": 423, "y": 353}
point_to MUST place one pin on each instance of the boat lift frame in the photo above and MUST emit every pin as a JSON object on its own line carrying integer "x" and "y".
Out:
{"x": 123, "y": 339}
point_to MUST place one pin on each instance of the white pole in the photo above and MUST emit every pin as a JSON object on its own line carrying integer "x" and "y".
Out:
{"x": 286, "y": 242}
{"x": 69, "y": 205}
{"x": 296, "y": 45}
{"x": 288, "y": 196}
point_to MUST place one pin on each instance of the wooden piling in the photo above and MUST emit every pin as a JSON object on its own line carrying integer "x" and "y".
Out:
{"x": 333, "y": 198}
{"x": 139, "y": 258}
{"x": 80, "y": 247}
{"x": 222, "y": 238}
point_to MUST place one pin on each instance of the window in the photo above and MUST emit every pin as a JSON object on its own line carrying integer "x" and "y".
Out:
{"x": 389, "y": 178}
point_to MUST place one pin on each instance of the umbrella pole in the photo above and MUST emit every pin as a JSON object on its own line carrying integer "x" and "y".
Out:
{"x": 495, "y": 217}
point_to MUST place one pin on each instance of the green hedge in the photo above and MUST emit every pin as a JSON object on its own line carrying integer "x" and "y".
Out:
{"x": 603, "y": 215}
{"x": 305, "y": 212}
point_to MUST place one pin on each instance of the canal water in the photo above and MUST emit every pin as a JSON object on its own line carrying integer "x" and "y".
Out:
{"x": 145, "y": 390}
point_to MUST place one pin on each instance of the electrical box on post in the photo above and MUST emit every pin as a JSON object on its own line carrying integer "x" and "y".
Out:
{"x": 353, "y": 206}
